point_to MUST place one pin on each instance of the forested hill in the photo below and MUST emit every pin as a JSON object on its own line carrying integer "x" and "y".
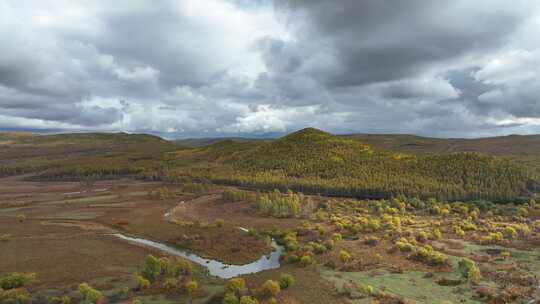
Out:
{"x": 524, "y": 149}
{"x": 309, "y": 160}
{"x": 317, "y": 162}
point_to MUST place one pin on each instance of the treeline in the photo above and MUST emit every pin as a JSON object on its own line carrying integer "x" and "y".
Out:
{"x": 376, "y": 186}
{"x": 24, "y": 166}
{"x": 101, "y": 168}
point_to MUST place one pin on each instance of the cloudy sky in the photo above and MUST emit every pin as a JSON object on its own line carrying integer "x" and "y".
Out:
{"x": 224, "y": 67}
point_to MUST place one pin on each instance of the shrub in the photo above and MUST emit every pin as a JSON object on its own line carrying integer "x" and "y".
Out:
{"x": 60, "y": 300}
{"x": 344, "y": 256}
{"x": 170, "y": 284}
{"x": 404, "y": 246}
{"x": 152, "y": 268}
{"x": 467, "y": 225}
{"x": 510, "y": 232}
{"x": 291, "y": 244}
{"x": 235, "y": 286}
{"x": 219, "y": 222}
{"x": 371, "y": 240}
{"x": 195, "y": 188}
{"x": 306, "y": 260}
{"x": 230, "y": 298}
{"x": 329, "y": 244}
{"x": 252, "y": 232}
{"x": 15, "y": 279}
{"x": 286, "y": 280}
{"x": 373, "y": 225}
{"x": 320, "y": 229}
{"x": 436, "y": 234}
{"x": 191, "y": 286}
{"x": 165, "y": 264}
{"x": 493, "y": 237}
{"x": 141, "y": 282}
{"x": 521, "y": 229}
{"x": 469, "y": 270}
{"x": 270, "y": 288}
{"x": 319, "y": 248}
{"x": 21, "y": 218}
{"x": 180, "y": 267}
{"x": 429, "y": 256}
{"x": 16, "y": 295}
{"x": 365, "y": 290}
{"x": 234, "y": 195}
{"x": 458, "y": 231}
{"x": 422, "y": 236}
{"x": 293, "y": 259}
{"x": 123, "y": 293}
{"x": 89, "y": 294}
{"x": 336, "y": 237}
{"x": 523, "y": 211}
{"x": 248, "y": 300}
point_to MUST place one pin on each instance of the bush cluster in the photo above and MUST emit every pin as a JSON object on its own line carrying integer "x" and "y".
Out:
{"x": 281, "y": 205}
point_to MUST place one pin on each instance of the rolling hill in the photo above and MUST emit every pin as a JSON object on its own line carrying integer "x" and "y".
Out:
{"x": 314, "y": 161}
{"x": 22, "y": 153}
{"x": 521, "y": 148}
{"x": 524, "y": 149}
{"x": 309, "y": 160}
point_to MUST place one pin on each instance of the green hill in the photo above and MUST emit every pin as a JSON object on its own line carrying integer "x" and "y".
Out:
{"x": 524, "y": 149}
{"x": 313, "y": 161}
{"x": 309, "y": 160}
{"x": 308, "y": 150}
{"x": 74, "y": 155}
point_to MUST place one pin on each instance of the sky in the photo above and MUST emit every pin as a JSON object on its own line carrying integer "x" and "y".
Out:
{"x": 191, "y": 68}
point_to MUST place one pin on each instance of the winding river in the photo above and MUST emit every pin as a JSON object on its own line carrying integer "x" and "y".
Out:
{"x": 215, "y": 268}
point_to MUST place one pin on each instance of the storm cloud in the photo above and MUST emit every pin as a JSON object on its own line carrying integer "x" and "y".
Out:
{"x": 218, "y": 67}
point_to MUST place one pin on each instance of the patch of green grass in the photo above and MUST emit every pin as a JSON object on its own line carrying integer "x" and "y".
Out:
{"x": 406, "y": 285}
{"x": 530, "y": 258}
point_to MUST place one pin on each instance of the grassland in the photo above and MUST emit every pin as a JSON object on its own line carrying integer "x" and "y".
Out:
{"x": 70, "y": 193}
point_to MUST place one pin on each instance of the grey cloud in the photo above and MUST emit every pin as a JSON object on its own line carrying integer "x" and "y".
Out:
{"x": 220, "y": 66}
{"x": 388, "y": 40}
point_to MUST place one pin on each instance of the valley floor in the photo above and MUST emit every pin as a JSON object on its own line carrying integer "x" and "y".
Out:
{"x": 62, "y": 231}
